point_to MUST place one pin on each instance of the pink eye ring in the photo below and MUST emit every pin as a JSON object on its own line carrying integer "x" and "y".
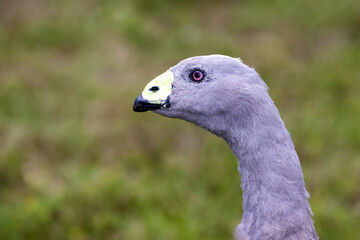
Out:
{"x": 197, "y": 75}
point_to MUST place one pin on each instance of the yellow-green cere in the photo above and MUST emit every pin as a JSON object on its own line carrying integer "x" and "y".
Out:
{"x": 163, "y": 83}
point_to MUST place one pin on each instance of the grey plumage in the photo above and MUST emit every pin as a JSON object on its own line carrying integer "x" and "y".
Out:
{"x": 232, "y": 101}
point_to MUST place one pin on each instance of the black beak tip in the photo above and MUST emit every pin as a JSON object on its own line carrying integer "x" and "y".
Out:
{"x": 142, "y": 105}
{"x": 138, "y": 104}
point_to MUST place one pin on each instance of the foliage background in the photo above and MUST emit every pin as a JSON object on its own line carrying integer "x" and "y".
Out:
{"x": 77, "y": 163}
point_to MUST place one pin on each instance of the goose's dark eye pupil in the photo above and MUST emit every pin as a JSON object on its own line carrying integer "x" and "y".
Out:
{"x": 197, "y": 75}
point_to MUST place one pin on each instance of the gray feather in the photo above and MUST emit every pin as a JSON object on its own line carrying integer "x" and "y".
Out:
{"x": 233, "y": 103}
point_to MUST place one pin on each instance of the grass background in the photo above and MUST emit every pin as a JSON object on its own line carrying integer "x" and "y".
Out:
{"x": 77, "y": 163}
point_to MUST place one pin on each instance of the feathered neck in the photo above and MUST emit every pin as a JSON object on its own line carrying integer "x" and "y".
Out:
{"x": 275, "y": 204}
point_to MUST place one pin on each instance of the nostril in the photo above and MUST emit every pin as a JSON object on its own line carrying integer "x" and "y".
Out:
{"x": 154, "y": 89}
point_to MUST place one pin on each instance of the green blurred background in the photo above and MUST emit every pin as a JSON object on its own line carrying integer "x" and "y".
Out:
{"x": 77, "y": 163}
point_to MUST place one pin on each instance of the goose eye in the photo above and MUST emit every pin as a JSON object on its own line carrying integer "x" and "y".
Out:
{"x": 197, "y": 75}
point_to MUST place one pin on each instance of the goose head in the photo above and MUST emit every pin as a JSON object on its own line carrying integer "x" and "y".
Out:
{"x": 210, "y": 91}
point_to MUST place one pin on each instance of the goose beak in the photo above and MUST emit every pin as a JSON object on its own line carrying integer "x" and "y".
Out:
{"x": 156, "y": 94}
{"x": 143, "y": 105}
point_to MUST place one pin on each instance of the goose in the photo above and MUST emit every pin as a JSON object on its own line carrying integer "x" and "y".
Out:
{"x": 226, "y": 97}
